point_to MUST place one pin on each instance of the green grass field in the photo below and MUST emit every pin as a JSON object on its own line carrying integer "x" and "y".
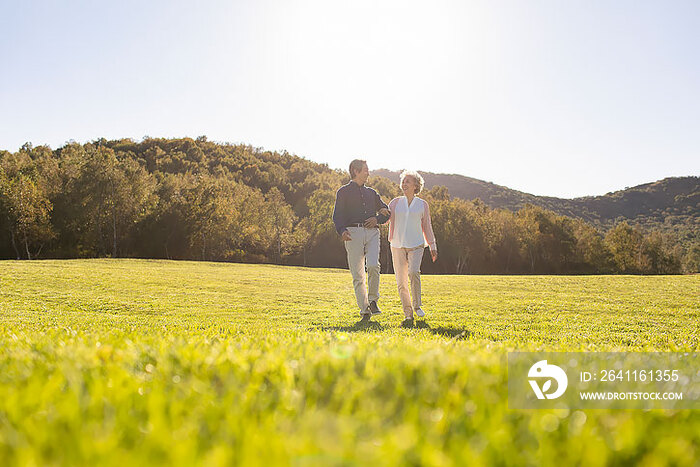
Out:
{"x": 134, "y": 362}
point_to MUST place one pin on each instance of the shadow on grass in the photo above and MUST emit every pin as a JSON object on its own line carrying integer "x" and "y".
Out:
{"x": 360, "y": 326}
{"x": 357, "y": 327}
{"x": 450, "y": 333}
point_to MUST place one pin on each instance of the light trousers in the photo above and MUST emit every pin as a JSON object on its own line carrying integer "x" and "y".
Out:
{"x": 363, "y": 253}
{"x": 407, "y": 266}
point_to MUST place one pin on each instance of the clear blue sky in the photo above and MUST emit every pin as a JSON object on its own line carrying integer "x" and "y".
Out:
{"x": 561, "y": 98}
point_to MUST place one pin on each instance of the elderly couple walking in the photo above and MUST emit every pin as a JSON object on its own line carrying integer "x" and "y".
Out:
{"x": 357, "y": 214}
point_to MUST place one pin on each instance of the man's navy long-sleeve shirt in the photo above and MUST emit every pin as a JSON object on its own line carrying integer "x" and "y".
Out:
{"x": 354, "y": 204}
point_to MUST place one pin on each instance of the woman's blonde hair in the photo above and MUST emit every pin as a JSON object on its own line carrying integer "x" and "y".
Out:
{"x": 416, "y": 176}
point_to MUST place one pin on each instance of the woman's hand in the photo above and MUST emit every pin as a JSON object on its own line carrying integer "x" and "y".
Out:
{"x": 433, "y": 254}
{"x": 384, "y": 212}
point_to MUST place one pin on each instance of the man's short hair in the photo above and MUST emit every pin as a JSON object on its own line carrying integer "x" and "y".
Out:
{"x": 416, "y": 176}
{"x": 356, "y": 166}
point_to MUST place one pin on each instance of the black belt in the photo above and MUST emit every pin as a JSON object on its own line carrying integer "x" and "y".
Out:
{"x": 358, "y": 225}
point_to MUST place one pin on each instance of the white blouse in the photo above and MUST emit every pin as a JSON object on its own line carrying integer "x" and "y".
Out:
{"x": 410, "y": 226}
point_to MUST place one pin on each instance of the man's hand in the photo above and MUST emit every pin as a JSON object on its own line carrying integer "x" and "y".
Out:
{"x": 346, "y": 236}
{"x": 433, "y": 254}
{"x": 384, "y": 212}
{"x": 371, "y": 222}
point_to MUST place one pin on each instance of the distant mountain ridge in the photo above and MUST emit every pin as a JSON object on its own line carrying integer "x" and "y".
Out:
{"x": 672, "y": 203}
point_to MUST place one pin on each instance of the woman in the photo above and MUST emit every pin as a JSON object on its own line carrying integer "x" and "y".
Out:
{"x": 410, "y": 231}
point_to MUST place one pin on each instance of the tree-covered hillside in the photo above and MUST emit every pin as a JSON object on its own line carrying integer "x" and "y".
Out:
{"x": 196, "y": 199}
{"x": 671, "y": 205}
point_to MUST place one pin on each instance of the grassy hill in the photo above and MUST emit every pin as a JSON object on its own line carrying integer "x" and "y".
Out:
{"x": 672, "y": 204}
{"x": 135, "y": 362}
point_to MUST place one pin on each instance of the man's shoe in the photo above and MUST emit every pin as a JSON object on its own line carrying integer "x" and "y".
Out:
{"x": 365, "y": 318}
{"x": 407, "y": 323}
{"x": 419, "y": 312}
{"x": 373, "y": 308}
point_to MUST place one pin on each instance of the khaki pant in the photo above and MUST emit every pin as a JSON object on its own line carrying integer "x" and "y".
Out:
{"x": 407, "y": 265}
{"x": 363, "y": 250}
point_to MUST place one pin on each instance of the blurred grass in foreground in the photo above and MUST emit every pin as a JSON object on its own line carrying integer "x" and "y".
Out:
{"x": 123, "y": 362}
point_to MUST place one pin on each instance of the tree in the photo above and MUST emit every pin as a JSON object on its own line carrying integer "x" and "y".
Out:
{"x": 116, "y": 192}
{"x": 316, "y": 234}
{"x": 501, "y": 235}
{"x": 691, "y": 260}
{"x": 591, "y": 250}
{"x": 458, "y": 227}
{"x": 625, "y": 245}
{"x": 26, "y": 211}
{"x": 166, "y": 232}
{"x": 548, "y": 240}
{"x": 657, "y": 257}
{"x": 227, "y": 220}
{"x": 280, "y": 218}
{"x": 529, "y": 231}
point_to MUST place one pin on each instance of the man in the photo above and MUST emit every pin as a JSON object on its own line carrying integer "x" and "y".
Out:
{"x": 357, "y": 213}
